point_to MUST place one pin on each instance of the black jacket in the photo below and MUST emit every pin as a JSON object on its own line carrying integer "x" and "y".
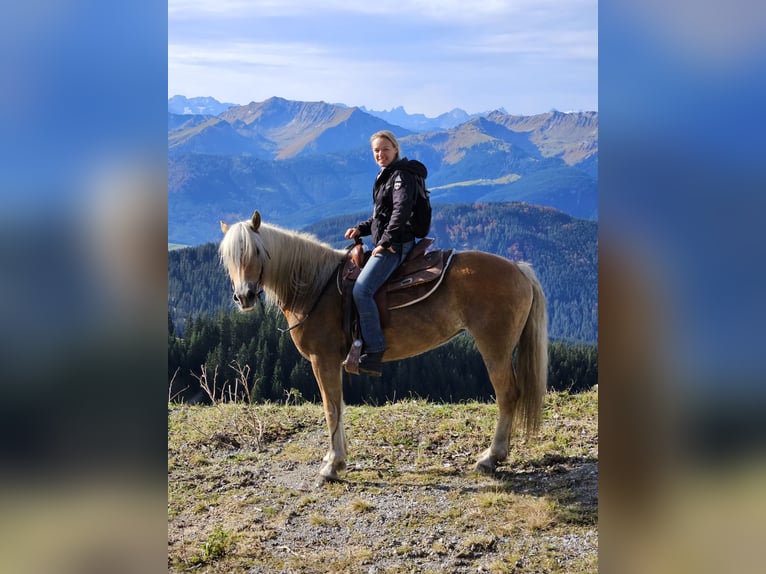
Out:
{"x": 393, "y": 196}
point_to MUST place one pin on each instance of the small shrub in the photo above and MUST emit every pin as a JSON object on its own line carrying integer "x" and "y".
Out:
{"x": 218, "y": 544}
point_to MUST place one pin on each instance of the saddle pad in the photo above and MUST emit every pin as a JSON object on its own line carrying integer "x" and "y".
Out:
{"x": 415, "y": 287}
{"x": 423, "y": 269}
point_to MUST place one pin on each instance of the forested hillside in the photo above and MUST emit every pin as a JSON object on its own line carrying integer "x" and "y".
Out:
{"x": 562, "y": 249}
{"x": 232, "y": 344}
{"x": 205, "y": 329}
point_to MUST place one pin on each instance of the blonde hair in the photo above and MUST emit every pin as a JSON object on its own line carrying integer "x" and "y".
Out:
{"x": 390, "y": 137}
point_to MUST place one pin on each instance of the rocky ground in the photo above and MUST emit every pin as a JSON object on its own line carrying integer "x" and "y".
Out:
{"x": 243, "y": 493}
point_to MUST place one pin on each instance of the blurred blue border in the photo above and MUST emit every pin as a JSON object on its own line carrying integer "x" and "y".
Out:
{"x": 683, "y": 178}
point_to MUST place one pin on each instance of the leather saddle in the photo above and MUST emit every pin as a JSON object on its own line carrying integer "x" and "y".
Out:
{"x": 419, "y": 275}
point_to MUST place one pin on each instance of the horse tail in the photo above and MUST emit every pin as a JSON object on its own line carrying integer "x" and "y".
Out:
{"x": 532, "y": 359}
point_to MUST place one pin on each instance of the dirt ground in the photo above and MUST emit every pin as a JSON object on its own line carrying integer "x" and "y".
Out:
{"x": 243, "y": 494}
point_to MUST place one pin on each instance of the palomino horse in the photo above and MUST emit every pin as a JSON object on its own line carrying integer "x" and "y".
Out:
{"x": 499, "y": 302}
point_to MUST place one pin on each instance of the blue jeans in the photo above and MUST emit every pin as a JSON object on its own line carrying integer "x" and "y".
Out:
{"x": 373, "y": 275}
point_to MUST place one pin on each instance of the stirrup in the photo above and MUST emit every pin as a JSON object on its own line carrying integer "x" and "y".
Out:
{"x": 351, "y": 363}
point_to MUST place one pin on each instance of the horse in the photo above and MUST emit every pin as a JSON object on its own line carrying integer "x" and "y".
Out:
{"x": 498, "y": 301}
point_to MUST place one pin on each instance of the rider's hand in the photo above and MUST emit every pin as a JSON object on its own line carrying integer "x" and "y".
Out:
{"x": 351, "y": 233}
{"x": 380, "y": 249}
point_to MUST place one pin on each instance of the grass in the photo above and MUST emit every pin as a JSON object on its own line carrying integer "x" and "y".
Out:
{"x": 359, "y": 505}
{"x": 409, "y": 501}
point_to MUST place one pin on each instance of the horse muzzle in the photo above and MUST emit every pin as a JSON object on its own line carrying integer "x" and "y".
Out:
{"x": 246, "y": 295}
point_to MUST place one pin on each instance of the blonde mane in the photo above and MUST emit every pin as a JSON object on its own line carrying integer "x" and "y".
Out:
{"x": 296, "y": 266}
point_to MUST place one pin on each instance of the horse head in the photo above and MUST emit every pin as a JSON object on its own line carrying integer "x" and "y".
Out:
{"x": 240, "y": 253}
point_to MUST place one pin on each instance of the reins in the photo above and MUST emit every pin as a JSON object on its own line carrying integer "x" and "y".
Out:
{"x": 333, "y": 279}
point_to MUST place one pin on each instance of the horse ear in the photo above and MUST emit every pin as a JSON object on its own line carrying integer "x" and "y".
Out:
{"x": 224, "y": 227}
{"x": 255, "y": 222}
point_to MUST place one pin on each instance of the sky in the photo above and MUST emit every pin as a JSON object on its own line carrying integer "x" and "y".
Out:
{"x": 526, "y": 56}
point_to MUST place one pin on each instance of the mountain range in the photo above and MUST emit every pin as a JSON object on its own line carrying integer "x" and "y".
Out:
{"x": 205, "y": 106}
{"x": 208, "y": 106}
{"x": 419, "y": 122}
{"x": 301, "y": 162}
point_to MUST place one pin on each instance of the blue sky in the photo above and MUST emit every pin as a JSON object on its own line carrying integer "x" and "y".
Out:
{"x": 527, "y": 56}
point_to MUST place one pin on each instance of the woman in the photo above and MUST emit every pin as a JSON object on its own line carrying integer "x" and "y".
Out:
{"x": 393, "y": 197}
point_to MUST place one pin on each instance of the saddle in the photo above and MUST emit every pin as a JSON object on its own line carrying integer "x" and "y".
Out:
{"x": 419, "y": 275}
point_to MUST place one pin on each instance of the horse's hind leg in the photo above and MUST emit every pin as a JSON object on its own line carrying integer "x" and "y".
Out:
{"x": 500, "y": 368}
{"x": 507, "y": 396}
{"x": 330, "y": 382}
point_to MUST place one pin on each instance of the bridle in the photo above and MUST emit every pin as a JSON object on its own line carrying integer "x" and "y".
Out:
{"x": 259, "y": 292}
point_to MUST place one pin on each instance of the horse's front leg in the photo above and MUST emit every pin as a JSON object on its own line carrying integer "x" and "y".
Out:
{"x": 329, "y": 378}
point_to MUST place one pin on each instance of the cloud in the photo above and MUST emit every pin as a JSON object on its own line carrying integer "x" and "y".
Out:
{"x": 246, "y": 54}
{"x": 292, "y": 70}
{"x": 370, "y": 54}
{"x": 574, "y": 44}
{"x": 459, "y": 11}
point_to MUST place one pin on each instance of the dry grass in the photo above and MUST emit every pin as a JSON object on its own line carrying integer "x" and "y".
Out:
{"x": 409, "y": 501}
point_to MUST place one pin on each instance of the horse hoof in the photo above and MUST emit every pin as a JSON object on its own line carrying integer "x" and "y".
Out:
{"x": 486, "y": 466}
{"x": 322, "y": 480}
{"x": 329, "y": 474}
